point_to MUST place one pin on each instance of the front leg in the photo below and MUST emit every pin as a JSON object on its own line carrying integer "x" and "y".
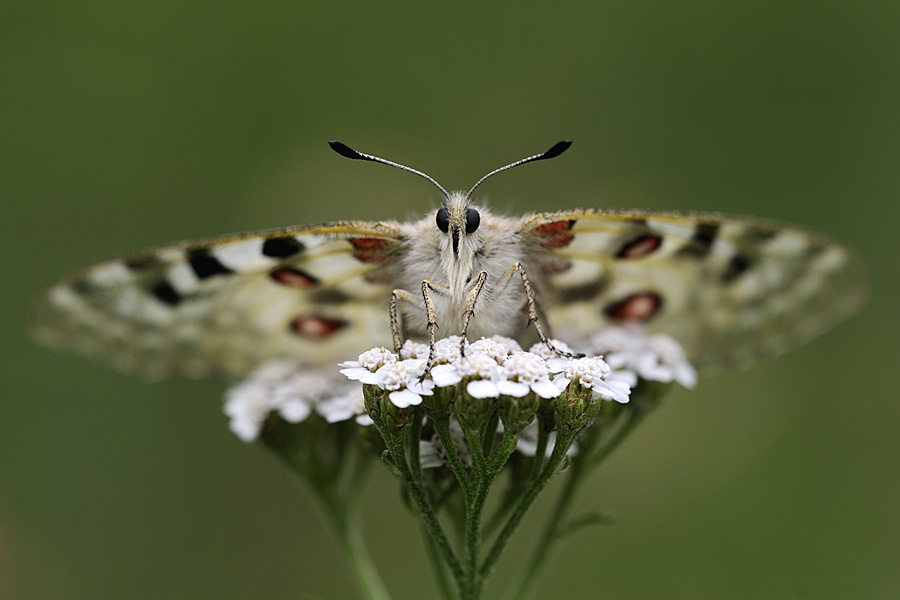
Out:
{"x": 427, "y": 288}
{"x": 533, "y": 315}
{"x": 396, "y": 334}
{"x": 477, "y": 287}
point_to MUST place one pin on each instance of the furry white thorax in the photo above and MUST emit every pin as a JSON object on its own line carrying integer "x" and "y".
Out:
{"x": 493, "y": 247}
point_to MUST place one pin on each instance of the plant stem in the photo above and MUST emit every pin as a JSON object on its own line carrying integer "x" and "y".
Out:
{"x": 364, "y": 570}
{"x": 581, "y": 466}
{"x": 563, "y": 441}
{"x": 394, "y": 441}
{"x": 439, "y": 569}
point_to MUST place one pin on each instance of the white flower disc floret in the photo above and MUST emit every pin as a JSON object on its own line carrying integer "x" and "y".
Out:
{"x": 523, "y": 372}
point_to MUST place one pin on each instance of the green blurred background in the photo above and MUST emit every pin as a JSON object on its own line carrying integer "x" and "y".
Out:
{"x": 124, "y": 125}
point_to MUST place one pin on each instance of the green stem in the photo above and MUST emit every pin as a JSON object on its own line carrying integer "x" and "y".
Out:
{"x": 581, "y": 466}
{"x": 475, "y": 497}
{"x": 439, "y": 569}
{"x": 364, "y": 570}
{"x": 394, "y": 441}
{"x": 563, "y": 441}
{"x": 442, "y": 427}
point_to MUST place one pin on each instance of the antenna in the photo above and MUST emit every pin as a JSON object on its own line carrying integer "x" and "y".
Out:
{"x": 348, "y": 152}
{"x": 557, "y": 149}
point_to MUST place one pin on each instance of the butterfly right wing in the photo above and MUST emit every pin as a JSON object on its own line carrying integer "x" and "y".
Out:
{"x": 732, "y": 290}
{"x": 222, "y": 306}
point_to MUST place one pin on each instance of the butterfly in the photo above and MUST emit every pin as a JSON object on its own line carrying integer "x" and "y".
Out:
{"x": 732, "y": 290}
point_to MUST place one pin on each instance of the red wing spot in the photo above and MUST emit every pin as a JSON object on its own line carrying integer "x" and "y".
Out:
{"x": 640, "y": 246}
{"x": 636, "y": 308}
{"x": 370, "y": 250}
{"x": 292, "y": 277}
{"x": 316, "y": 327}
{"x": 556, "y": 235}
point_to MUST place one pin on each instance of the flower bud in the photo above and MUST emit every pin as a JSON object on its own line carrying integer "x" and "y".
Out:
{"x": 381, "y": 410}
{"x": 517, "y": 413}
{"x": 576, "y": 408}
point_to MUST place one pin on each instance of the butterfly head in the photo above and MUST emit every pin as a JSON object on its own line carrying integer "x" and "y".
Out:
{"x": 457, "y": 219}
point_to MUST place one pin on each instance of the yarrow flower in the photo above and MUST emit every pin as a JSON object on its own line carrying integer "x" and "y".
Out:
{"x": 363, "y": 369}
{"x": 555, "y": 362}
{"x": 494, "y": 366}
{"x": 595, "y": 374}
{"x": 656, "y": 357}
{"x": 523, "y": 372}
{"x": 294, "y": 390}
{"x": 401, "y": 379}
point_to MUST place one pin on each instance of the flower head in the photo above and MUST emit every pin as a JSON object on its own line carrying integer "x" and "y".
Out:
{"x": 523, "y": 372}
{"x": 401, "y": 380}
{"x": 656, "y": 357}
{"x": 363, "y": 369}
{"x": 293, "y": 390}
{"x": 595, "y": 374}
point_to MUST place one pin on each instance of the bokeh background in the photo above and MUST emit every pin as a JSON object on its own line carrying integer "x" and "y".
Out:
{"x": 124, "y": 125}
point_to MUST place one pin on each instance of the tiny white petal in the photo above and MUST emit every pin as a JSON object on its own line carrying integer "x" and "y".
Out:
{"x": 246, "y": 430}
{"x": 424, "y": 388}
{"x": 621, "y": 391}
{"x": 295, "y": 411}
{"x": 512, "y": 388}
{"x": 444, "y": 375}
{"x": 405, "y": 398}
{"x": 686, "y": 375}
{"x": 354, "y": 372}
{"x": 482, "y": 388}
{"x": 546, "y": 389}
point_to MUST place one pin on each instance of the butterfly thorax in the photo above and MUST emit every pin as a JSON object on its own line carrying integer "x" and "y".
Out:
{"x": 453, "y": 266}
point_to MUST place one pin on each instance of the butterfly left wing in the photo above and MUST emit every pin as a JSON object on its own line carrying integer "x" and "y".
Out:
{"x": 221, "y": 306}
{"x": 732, "y": 290}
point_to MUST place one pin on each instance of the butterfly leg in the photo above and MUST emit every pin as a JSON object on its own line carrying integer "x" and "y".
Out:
{"x": 427, "y": 288}
{"x": 533, "y": 314}
{"x": 477, "y": 287}
{"x": 396, "y": 333}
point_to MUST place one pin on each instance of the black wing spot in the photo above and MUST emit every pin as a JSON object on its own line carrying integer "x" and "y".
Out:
{"x": 282, "y": 247}
{"x": 702, "y": 241}
{"x": 165, "y": 293}
{"x": 205, "y": 265}
{"x": 736, "y": 267}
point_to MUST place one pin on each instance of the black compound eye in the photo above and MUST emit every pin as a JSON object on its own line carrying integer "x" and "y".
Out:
{"x": 473, "y": 219}
{"x": 443, "y": 219}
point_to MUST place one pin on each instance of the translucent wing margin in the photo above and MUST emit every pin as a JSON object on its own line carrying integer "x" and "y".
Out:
{"x": 221, "y": 306}
{"x": 732, "y": 290}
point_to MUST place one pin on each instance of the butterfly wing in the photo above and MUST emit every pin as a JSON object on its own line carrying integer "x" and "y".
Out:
{"x": 223, "y": 305}
{"x": 732, "y": 290}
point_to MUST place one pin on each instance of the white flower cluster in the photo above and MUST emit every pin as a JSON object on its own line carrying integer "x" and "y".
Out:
{"x": 490, "y": 367}
{"x": 595, "y": 374}
{"x": 388, "y": 371}
{"x": 294, "y": 390}
{"x": 656, "y": 357}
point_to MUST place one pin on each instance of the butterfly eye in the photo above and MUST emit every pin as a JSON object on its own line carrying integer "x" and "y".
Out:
{"x": 473, "y": 219}
{"x": 443, "y": 219}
